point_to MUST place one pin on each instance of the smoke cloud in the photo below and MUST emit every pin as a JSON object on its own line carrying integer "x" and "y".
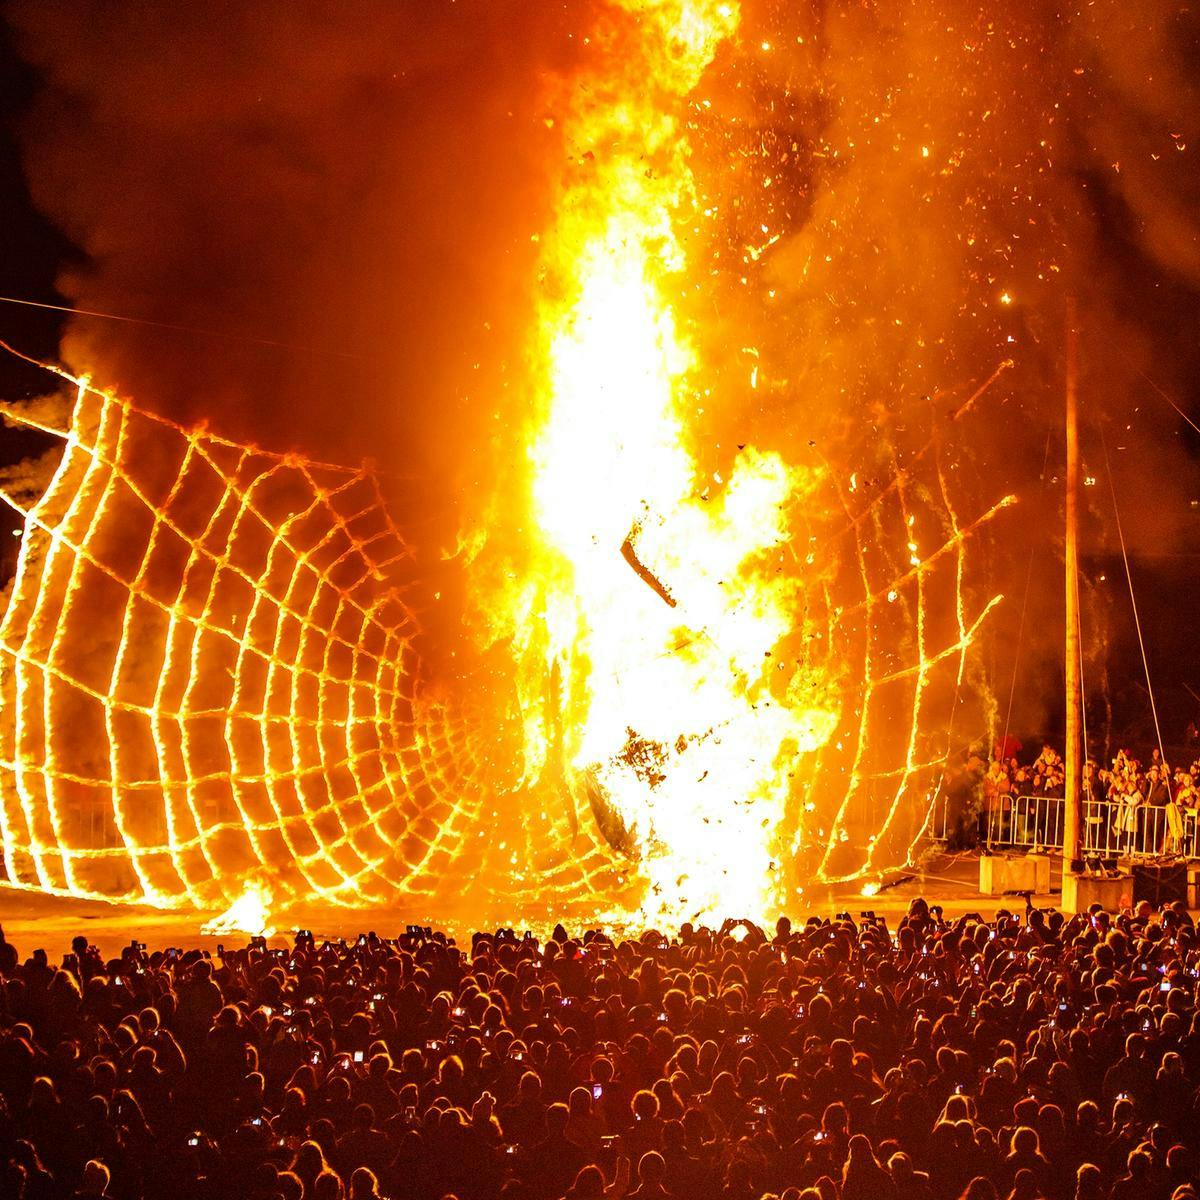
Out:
{"x": 360, "y": 185}
{"x": 912, "y": 192}
{"x": 909, "y": 192}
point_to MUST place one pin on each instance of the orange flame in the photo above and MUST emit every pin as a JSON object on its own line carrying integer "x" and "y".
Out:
{"x": 659, "y": 593}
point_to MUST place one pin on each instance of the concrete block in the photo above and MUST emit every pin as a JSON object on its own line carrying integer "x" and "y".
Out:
{"x": 1080, "y": 892}
{"x": 1041, "y": 873}
{"x": 1001, "y": 873}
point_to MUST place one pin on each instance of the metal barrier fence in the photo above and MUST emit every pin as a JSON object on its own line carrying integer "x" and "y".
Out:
{"x": 1110, "y": 829}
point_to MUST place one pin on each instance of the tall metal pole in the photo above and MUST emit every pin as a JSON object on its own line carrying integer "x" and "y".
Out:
{"x": 1073, "y": 808}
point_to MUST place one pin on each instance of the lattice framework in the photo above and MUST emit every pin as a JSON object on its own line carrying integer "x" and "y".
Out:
{"x": 211, "y": 676}
{"x": 899, "y": 611}
{"x": 207, "y": 673}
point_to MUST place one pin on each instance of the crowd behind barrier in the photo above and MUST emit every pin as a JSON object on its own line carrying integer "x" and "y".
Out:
{"x": 1129, "y": 809}
{"x": 1030, "y": 1056}
{"x": 1036, "y": 823}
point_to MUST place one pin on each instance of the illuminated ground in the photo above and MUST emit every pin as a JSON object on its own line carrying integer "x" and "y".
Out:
{"x": 32, "y": 920}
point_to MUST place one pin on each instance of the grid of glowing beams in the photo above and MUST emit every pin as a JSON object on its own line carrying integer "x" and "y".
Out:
{"x": 208, "y": 691}
{"x": 896, "y": 601}
{"x": 209, "y": 670}
{"x": 205, "y": 655}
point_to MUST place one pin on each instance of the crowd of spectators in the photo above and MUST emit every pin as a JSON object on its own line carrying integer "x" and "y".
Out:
{"x": 1030, "y": 1056}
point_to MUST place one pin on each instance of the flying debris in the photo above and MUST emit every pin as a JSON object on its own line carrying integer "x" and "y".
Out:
{"x": 629, "y": 554}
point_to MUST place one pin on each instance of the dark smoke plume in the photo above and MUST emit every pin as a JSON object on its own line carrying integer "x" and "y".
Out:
{"x": 911, "y": 192}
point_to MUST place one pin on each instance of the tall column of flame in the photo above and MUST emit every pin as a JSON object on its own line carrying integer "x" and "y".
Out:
{"x": 661, "y": 595}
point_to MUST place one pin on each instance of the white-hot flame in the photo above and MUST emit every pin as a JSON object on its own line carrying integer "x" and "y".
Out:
{"x": 250, "y": 913}
{"x": 662, "y": 594}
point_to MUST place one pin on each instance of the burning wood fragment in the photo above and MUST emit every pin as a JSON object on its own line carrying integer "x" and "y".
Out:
{"x": 643, "y": 572}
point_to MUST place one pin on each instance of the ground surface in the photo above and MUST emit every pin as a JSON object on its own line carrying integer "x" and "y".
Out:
{"x": 31, "y": 919}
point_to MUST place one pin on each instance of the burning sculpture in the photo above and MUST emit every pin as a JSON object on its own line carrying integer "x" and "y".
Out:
{"x": 715, "y": 687}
